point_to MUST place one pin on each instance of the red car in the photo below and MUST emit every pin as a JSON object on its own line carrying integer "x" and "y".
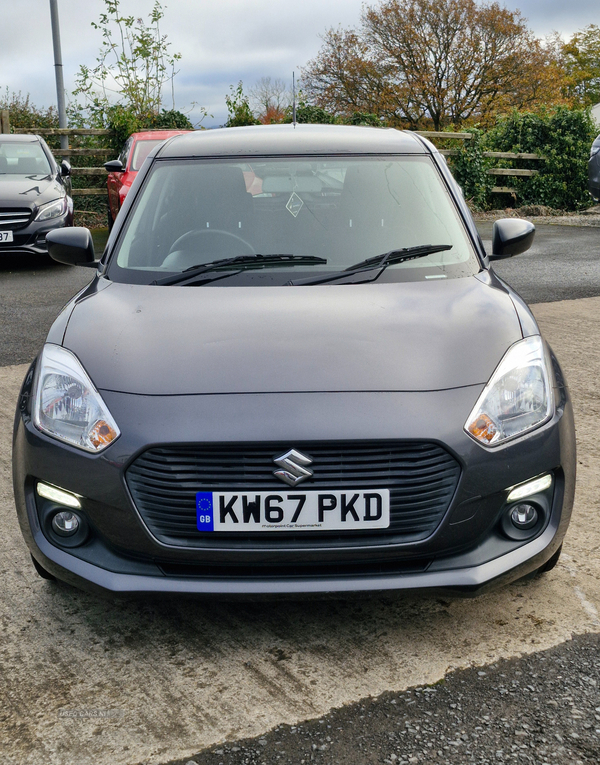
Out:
{"x": 122, "y": 171}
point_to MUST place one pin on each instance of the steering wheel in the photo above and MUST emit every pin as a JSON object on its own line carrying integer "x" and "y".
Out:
{"x": 183, "y": 242}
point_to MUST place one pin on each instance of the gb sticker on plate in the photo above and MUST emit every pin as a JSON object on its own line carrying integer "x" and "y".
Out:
{"x": 204, "y": 511}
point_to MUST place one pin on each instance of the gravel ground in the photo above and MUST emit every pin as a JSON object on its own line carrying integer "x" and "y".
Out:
{"x": 539, "y": 214}
{"x": 517, "y": 710}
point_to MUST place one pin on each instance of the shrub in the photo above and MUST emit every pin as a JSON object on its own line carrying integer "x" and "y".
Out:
{"x": 563, "y": 136}
{"x": 470, "y": 167}
{"x": 23, "y": 114}
{"x": 124, "y": 122}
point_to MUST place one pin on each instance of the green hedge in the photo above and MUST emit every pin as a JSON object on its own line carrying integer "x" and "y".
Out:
{"x": 562, "y": 136}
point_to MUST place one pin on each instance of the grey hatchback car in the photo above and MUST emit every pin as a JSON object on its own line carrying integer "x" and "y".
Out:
{"x": 294, "y": 372}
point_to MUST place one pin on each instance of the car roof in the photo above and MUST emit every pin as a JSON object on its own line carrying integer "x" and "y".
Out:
{"x": 19, "y": 138}
{"x": 156, "y": 135}
{"x": 273, "y": 140}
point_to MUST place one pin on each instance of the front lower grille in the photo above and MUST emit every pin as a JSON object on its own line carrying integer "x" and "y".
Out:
{"x": 294, "y": 570}
{"x": 421, "y": 477}
{"x": 14, "y": 218}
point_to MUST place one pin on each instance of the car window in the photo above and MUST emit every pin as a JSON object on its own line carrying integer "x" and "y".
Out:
{"x": 23, "y": 159}
{"x": 341, "y": 209}
{"x": 141, "y": 151}
{"x": 124, "y": 155}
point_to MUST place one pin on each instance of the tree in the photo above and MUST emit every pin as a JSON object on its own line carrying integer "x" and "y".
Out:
{"x": 269, "y": 99}
{"x": 434, "y": 62}
{"x": 238, "y": 106}
{"x": 582, "y": 64}
{"x": 345, "y": 77}
{"x": 133, "y": 66}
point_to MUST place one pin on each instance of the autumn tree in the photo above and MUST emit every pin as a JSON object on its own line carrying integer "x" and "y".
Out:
{"x": 582, "y": 65}
{"x": 269, "y": 99}
{"x": 434, "y": 62}
{"x": 345, "y": 77}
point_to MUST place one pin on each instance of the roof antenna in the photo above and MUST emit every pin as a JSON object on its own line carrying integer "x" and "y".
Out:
{"x": 294, "y": 99}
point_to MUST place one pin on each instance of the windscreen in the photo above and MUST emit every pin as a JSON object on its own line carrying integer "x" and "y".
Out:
{"x": 141, "y": 151}
{"x": 23, "y": 159}
{"x": 343, "y": 210}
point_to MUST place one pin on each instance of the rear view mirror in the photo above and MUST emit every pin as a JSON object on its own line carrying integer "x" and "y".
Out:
{"x": 114, "y": 166}
{"x": 72, "y": 246}
{"x": 511, "y": 236}
{"x": 65, "y": 168}
{"x": 286, "y": 184}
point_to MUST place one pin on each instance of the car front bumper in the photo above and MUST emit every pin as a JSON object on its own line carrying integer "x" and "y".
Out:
{"x": 466, "y": 552}
{"x": 31, "y": 240}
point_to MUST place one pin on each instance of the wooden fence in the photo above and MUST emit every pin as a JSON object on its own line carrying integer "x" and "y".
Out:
{"x": 435, "y": 136}
{"x": 514, "y": 172}
{"x": 101, "y": 152}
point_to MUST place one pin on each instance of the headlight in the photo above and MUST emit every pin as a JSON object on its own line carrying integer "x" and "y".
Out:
{"x": 67, "y": 406}
{"x": 52, "y": 209}
{"x": 517, "y": 398}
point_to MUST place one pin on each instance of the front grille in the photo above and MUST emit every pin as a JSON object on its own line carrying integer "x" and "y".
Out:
{"x": 294, "y": 570}
{"x": 14, "y": 217}
{"x": 163, "y": 481}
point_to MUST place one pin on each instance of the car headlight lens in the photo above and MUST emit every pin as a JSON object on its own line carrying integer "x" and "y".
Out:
{"x": 52, "y": 209}
{"x": 67, "y": 405}
{"x": 517, "y": 398}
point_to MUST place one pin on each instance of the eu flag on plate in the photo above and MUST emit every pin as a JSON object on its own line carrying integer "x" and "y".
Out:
{"x": 204, "y": 511}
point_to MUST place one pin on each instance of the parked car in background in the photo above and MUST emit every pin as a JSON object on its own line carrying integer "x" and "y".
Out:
{"x": 35, "y": 194}
{"x": 122, "y": 171}
{"x": 594, "y": 170}
{"x": 294, "y": 371}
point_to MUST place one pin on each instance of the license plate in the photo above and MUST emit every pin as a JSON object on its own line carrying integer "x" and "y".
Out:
{"x": 6, "y": 236}
{"x": 293, "y": 511}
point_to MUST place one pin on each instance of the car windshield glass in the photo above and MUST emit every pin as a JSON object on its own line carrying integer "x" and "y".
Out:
{"x": 23, "y": 159}
{"x": 344, "y": 210}
{"x": 141, "y": 151}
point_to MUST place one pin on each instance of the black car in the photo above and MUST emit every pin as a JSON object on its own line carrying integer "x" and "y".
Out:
{"x": 35, "y": 194}
{"x": 294, "y": 371}
{"x": 594, "y": 170}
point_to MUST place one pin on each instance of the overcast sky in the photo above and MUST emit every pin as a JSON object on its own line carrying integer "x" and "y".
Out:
{"x": 221, "y": 41}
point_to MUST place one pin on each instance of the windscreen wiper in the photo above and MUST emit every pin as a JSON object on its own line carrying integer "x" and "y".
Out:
{"x": 378, "y": 262}
{"x": 239, "y": 264}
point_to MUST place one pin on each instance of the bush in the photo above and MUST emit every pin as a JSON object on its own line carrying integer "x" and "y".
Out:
{"x": 470, "y": 167}
{"x": 124, "y": 122}
{"x": 23, "y": 114}
{"x": 563, "y": 136}
{"x": 238, "y": 107}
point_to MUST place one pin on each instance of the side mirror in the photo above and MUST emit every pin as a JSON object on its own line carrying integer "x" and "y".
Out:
{"x": 65, "y": 168}
{"x": 72, "y": 246}
{"x": 114, "y": 166}
{"x": 511, "y": 236}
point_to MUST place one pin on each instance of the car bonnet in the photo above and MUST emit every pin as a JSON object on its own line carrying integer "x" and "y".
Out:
{"x": 418, "y": 336}
{"x": 27, "y": 191}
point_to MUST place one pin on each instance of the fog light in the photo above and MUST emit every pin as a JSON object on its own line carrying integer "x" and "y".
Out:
{"x": 58, "y": 495}
{"x": 65, "y": 523}
{"x": 524, "y": 516}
